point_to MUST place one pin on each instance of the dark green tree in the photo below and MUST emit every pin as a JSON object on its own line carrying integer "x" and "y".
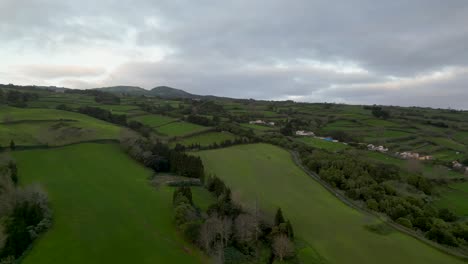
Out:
{"x": 289, "y": 230}
{"x": 12, "y": 145}
{"x": 279, "y": 218}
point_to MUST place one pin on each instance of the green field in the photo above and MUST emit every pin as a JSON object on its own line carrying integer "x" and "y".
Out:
{"x": 51, "y": 127}
{"x": 333, "y": 231}
{"x": 104, "y": 209}
{"x": 153, "y": 120}
{"x": 455, "y": 198}
{"x": 206, "y": 139}
{"x": 178, "y": 129}
{"x": 323, "y": 144}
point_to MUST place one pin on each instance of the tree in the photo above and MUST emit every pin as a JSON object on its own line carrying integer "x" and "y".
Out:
{"x": 12, "y": 145}
{"x": 279, "y": 218}
{"x": 244, "y": 228}
{"x": 226, "y": 230}
{"x": 282, "y": 247}
{"x": 289, "y": 230}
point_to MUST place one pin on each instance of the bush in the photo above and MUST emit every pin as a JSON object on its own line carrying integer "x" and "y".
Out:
{"x": 446, "y": 215}
{"x": 191, "y": 230}
{"x": 404, "y": 222}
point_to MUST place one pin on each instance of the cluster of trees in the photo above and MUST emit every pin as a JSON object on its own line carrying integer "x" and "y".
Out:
{"x": 17, "y": 98}
{"x": 156, "y": 109}
{"x": 106, "y": 98}
{"x": 204, "y": 107}
{"x": 160, "y": 158}
{"x": 236, "y": 129}
{"x": 226, "y": 231}
{"x": 293, "y": 125}
{"x": 223, "y": 144}
{"x": 103, "y": 114}
{"x": 437, "y": 124}
{"x": 202, "y": 120}
{"x": 374, "y": 185}
{"x": 25, "y": 212}
{"x": 99, "y": 96}
{"x": 378, "y": 111}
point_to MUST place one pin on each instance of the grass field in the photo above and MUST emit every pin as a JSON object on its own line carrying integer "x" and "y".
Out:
{"x": 153, "y": 120}
{"x": 455, "y": 200}
{"x": 43, "y": 126}
{"x": 104, "y": 209}
{"x": 334, "y": 232}
{"x": 323, "y": 144}
{"x": 206, "y": 139}
{"x": 177, "y": 129}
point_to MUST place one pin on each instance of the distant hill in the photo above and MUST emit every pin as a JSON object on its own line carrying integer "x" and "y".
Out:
{"x": 169, "y": 92}
{"x": 160, "y": 91}
{"x": 134, "y": 90}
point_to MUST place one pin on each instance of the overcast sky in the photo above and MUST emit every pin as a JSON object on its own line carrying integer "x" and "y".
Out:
{"x": 398, "y": 52}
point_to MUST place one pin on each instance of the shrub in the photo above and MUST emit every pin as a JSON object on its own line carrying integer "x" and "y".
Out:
{"x": 404, "y": 222}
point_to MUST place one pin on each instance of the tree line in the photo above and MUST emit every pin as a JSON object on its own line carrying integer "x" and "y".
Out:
{"x": 377, "y": 186}
{"x": 99, "y": 96}
{"x": 17, "y": 98}
{"x": 160, "y": 158}
{"x": 229, "y": 233}
{"x": 25, "y": 212}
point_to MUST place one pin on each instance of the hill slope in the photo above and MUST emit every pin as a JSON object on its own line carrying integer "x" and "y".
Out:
{"x": 104, "y": 209}
{"x": 335, "y": 232}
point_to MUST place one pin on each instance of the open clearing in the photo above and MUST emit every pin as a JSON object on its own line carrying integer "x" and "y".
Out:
{"x": 51, "y": 127}
{"x": 323, "y": 144}
{"x": 181, "y": 128}
{"x": 207, "y": 139}
{"x": 104, "y": 209}
{"x": 334, "y": 231}
{"x": 154, "y": 120}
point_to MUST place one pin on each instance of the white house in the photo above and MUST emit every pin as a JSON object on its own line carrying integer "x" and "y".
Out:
{"x": 305, "y": 133}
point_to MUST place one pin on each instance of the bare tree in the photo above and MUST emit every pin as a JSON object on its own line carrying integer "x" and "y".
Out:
{"x": 226, "y": 230}
{"x": 7, "y": 193}
{"x": 209, "y": 232}
{"x": 282, "y": 247}
{"x": 245, "y": 228}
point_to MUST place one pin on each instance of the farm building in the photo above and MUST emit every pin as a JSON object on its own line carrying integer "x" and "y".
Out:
{"x": 305, "y": 133}
{"x": 377, "y": 148}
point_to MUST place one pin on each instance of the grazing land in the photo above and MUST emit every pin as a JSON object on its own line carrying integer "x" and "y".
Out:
{"x": 178, "y": 129}
{"x": 333, "y": 232}
{"x": 206, "y": 139}
{"x": 323, "y": 144}
{"x": 154, "y": 120}
{"x": 104, "y": 209}
{"x": 51, "y": 127}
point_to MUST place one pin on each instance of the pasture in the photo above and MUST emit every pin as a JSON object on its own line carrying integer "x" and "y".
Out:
{"x": 51, "y": 127}
{"x": 153, "y": 120}
{"x": 331, "y": 231}
{"x": 323, "y": 144}
{"x": 177, "y": 129}
{"x": 206, "y": 139}
{"x": 104, "y": 209}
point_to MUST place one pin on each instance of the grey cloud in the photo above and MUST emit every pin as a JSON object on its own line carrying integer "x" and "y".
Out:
{"x": 233, "y": 48}
{"x": 60, "y": 71}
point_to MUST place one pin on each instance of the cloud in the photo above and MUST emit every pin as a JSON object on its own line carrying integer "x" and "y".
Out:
{"x": 356, "y": 51}
{"x": 60, "y": 71}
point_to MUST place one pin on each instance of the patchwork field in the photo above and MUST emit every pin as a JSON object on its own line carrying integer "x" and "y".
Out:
{"x": 323, "y": 144}
{"x": 51, "y": 127}
{"x": 104, "y": 209}
{"x": 154, "y": 120}
{"x": 206, "y": 139}
{"x": 331, "y": 231}
{"x": 178, "y": 129}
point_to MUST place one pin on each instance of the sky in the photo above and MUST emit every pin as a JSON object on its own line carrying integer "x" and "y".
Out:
{"x": 399, "y": 52}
